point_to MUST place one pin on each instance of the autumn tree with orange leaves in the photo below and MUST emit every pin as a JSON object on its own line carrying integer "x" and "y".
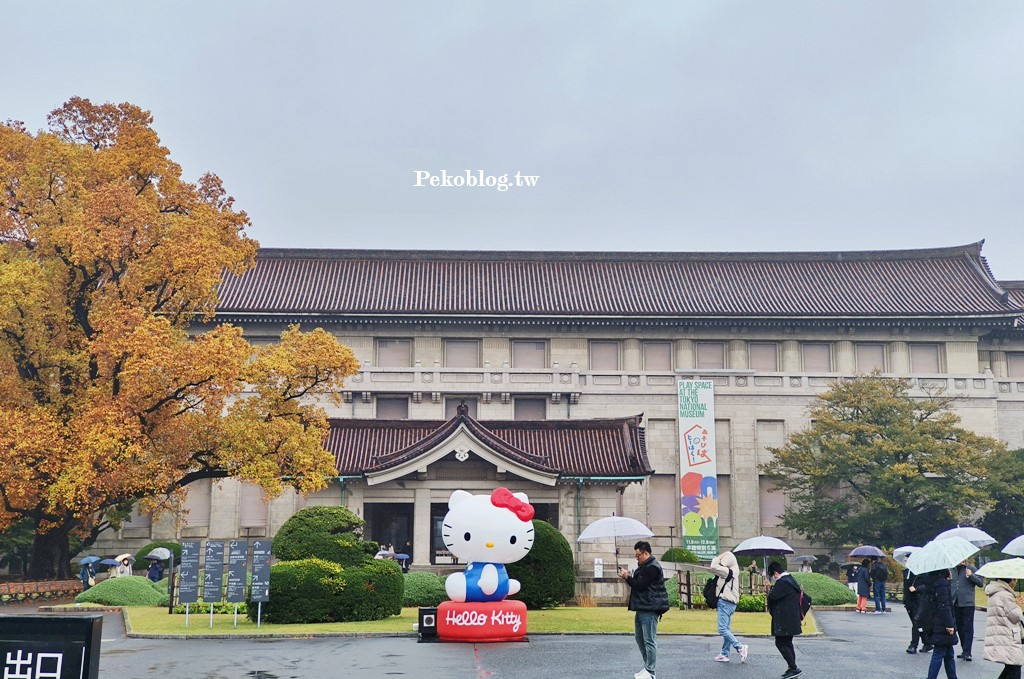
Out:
{"x": 106, "y": 399}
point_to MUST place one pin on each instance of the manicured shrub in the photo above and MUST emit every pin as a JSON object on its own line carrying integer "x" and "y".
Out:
{"x": 131, "y": 590}
{"x": 752, "y": 603}
{"x": 423, "y": 589}
{"x": 372, "y": 592}
{"x": 672, "y": 587}
{"x": 679, "y": 555}
{"x": 824, "y": 590}
{"x": 142, "y": 563}
{"x": 547, "y": 573}
{"x": 329, "y": 533}
{"x": 306, "y": 590}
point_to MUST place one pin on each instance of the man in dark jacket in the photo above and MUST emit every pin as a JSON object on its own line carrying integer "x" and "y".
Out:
{"x": 879, "y": 574}
{"x": 965, "y": 580}
{"x": 940, "y": 630}
{"x": 784, "y": 607}
{"x": 648, "y": 597}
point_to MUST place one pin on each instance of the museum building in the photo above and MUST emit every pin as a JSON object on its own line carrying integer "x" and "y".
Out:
{"x": 555, "y": 374}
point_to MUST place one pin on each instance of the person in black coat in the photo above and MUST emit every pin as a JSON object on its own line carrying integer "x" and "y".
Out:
{"x": 910, "y": 602}
{"x": 940, "y": 630}
{"x": 784, "y": 608}
{"x": 649, "y": 599}
{"x": 863, "y": 585}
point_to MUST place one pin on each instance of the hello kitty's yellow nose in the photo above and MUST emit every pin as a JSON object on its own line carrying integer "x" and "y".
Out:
{"x": 490, "y": 545}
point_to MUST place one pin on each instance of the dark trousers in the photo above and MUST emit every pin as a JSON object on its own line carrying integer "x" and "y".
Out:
{"x": 1010, "y": 672}
{"x": 785, "y": 646}
{"x": 965, "y": 627}
{"x": 915, "y": 634}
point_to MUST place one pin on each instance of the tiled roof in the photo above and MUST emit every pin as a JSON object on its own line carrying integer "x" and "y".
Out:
{"x": 370, "y": 284}
{"x": 1015, "y": 289}
{"x": 606, "y": 448}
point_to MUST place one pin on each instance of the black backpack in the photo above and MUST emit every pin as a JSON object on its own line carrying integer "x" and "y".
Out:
{"x": 805, "y": 603}
{"x": 712, "y": 592}
{"x": 924, "y": 618}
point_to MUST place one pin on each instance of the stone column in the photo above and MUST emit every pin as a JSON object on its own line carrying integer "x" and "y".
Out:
{"x": 899, "y": 358}
{"x": 422, "y": 540}
{"x": 961, "y": 358}
{"x": 737, "y": 355}
{"x": 632, "y": 359}
{"x": 686, "y": 357}
{"x": 846, "y": 359}
{"x": 791, "y": 357}
{"x": 997, "y": 360}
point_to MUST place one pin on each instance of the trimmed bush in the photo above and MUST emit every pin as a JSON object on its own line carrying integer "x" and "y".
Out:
{"x": 547, "y": 573}
{"x": 679, "y": 555}
{"x": 142, "y": 563}
{"x": 754, "y": 603}
{"x": 130, "y": 590}
{"x": 329, "y": 533}
{"x": 371, "y": 592}
{"x": 307, "y": 590}
{"x": 423, "y": 589}
{"x": 824, "y": 590}
{"x": 672, "y": 587}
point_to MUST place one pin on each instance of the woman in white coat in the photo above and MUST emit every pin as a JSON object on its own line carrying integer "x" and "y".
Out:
{"x": 727, "y": 569}
{"x": 1002, "y": 628}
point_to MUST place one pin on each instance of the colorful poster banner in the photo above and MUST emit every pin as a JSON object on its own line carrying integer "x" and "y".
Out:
{"x": 698, "y": 467}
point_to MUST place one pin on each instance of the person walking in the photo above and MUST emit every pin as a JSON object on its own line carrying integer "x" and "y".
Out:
{"x": 965, "y": 580}
{"x": 863, "y": 577}
{"x": 155, "y": 572}
{"x": 1003, "y": 627}
{"x": 727, "y": 569}
{"x": 649, "y": 599}
{"x": 87, "y": 574}
{"x": 879, "y": 576}
{"x": 912, "y": 602}
{"x": 939, "y": 629}
{"x": 784, "y": 609}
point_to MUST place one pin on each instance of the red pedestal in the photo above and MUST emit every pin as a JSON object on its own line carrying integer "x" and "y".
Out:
{"x": 488, "y": 621}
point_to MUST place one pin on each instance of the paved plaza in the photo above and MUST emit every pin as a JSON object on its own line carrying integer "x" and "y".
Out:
{"x": 851, "y": 646}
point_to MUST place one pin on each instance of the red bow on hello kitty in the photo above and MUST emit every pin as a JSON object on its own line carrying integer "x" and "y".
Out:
{"x": 503, "y": 497}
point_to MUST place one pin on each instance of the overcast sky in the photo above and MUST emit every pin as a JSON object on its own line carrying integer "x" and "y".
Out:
{"x": 678, "y": 126}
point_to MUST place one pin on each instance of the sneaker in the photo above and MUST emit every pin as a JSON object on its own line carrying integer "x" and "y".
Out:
{"x": 744, "y": 650}
{"x": 967, "y": 658}
{"x": 927, "y": 649}
{"x": 643, "y": 674}
{"x": 721, "y": 657}
{"x": 789, "y": 674}
{"x": 912, "y": 650}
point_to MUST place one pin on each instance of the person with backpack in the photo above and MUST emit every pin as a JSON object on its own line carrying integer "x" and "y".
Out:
{"x": 863, "y": 578}
{"x": 912, "y": 601}
{"x": 649, "y": 598}
{"x": 1003, "y": 628}
{"x": 784, "y": 608}
{"x": 965, "y": 581}
{"x": 725, "y": 588}
{"x": 935, "y": 619}
{"x": 879, "y": 575}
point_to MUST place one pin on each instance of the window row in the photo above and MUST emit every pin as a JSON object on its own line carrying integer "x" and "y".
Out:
{"x": 524, "y": 408}
{"x": 659, "y": 356}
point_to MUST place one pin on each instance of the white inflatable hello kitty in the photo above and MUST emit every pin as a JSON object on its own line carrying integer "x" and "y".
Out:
{"x": 488, "y": 531}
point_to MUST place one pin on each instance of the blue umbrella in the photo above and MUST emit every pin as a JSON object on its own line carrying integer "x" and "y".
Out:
{"x": 109, "y": 562}
{"x": 89, "y": 559}
{"x": 401, "y": 557}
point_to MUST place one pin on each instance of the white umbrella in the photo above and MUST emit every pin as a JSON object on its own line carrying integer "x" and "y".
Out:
{"x": 806, "y": 558}
{"x": 900, "y": 554}
{"x": 867, "y": 550}
{"x": 762, "y": 545}
{"x": 1004, "y": 568}
{"x": 615, "y": 528}
{"x": 159, "y": 554}
{"x": 975, "y": 536}
{"x": 939, "y": 555}
{"x": 1015, "y": 547}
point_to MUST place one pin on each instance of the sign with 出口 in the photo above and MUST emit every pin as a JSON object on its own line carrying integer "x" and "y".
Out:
{"x": 50, "y": 646}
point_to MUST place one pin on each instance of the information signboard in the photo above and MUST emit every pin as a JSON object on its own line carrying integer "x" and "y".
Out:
{"x": 213, "y": 571}
{"x": 51, "y": 646}
{"x": 188, "y": 572}
{"x": 260, "y": 571}
{"x": 238, "y": 555}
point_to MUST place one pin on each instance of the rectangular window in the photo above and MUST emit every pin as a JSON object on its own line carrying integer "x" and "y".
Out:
{"x": 663, "y": 500}
{"x": 531, "y": 409}
{"x": 817, "y": 357}
{"x": 924, "y": 358}
{"x": 1015, "y": 363}
{"x": 764, "y": 356}
{"x": 197, "y": 504}
{"x": 724, "y": 501}
{"x": 462, "y": 353}
{"x": 529, "y": 354}
{"x": 394, "y": 353}
{"x": 604, "y": 355}
{"x": 771, "y": 502}
{"x": 658, "y": 356}
{"x": 711, "y": 355}
{"x": 451, "y": 406}
{"x": 870, "y": 357}
{"x": 253, "y": 509}
{"x": 389, "y": 408}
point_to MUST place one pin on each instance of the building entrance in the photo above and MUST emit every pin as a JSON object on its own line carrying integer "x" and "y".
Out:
{"x": 389, "y": 523}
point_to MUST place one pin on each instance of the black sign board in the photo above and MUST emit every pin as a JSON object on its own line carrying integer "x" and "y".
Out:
{"x": 50, "y": 646}
{"x": 238, "y": 554}
{"x": 260, "y": 570}
{"x": 213, "y": 575}
{"x": 188, "y": 573}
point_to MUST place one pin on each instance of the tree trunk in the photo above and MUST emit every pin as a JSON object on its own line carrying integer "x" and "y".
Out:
{"x": 50, "y": 558}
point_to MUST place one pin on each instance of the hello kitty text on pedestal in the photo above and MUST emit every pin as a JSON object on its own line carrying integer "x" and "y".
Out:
{"x": 487, "y": 531}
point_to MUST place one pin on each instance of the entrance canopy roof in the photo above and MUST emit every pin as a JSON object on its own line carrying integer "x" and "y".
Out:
{"x": 542, "y": 450}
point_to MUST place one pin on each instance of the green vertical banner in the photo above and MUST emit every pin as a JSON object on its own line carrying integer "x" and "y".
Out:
{"x": 698, "y": 467}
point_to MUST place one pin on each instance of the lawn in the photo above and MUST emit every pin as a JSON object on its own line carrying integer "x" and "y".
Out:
{"x": 156, "y": 621}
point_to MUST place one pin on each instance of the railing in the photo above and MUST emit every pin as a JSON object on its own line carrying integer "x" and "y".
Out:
{"x": 44, "y": 590}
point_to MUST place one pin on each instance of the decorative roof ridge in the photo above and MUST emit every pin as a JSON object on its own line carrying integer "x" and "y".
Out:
{"x": 592, "y": 423}
{"x": 971, "y": 250}
{"x": 1011, "y": 285}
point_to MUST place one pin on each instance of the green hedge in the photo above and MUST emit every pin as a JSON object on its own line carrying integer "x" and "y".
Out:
{"x": 751, "y": 603}
{"x": 423, "y": 589}
{"x": 679, "y": 555}
{"x": 329, "y": 533}
{"x": 824, "y": 590}
{"x": 547, "y": 573}
{"x": 371, "y": 592}
{"x": 306, "y": 590}
{"x": 672, "y": 587}
{"x": 130, "y": 590}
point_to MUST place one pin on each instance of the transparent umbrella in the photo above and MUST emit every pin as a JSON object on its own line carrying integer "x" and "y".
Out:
{"x": 901, "y": 554}
{"x": 1015, "y": 547}
{"x": 939, "y": 555}
{"x": 615, "y": 528}
{"x": 975, "y": 536}
{"x": 1004, "y": 568}
{"x": 867, "y": 550}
